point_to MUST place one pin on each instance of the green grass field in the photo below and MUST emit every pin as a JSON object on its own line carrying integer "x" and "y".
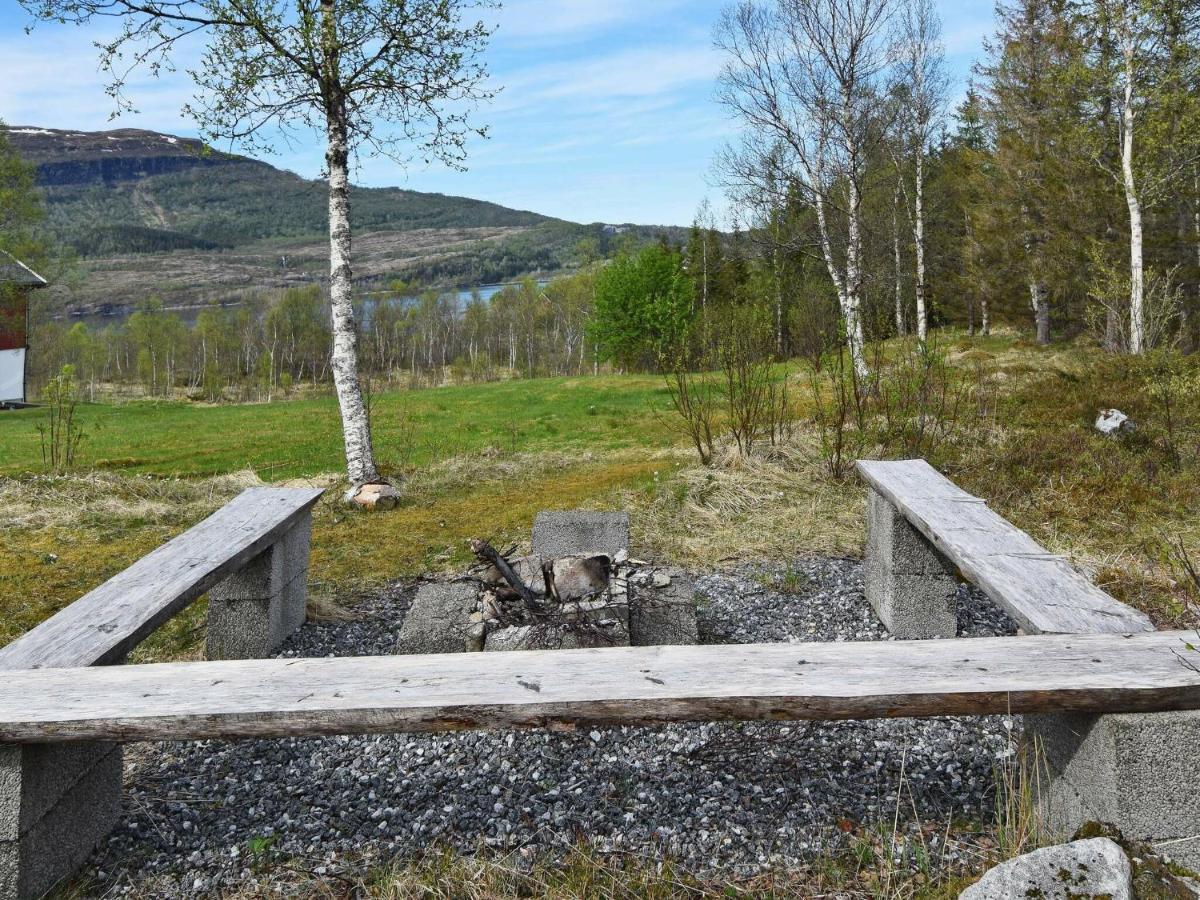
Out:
{"x": 303, "y": 437}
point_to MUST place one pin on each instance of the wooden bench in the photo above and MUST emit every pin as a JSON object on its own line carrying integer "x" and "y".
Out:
{"x": 923, "y": 531}
{"x": 610, "y": 686}
{"x": 1138, "y": 771}
{"x": 251, "y": 556}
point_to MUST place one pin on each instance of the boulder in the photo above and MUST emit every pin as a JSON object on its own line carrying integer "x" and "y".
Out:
{"x": 662, "y": 609}
{"x": 376, "y": 495}
{"x": 576, "y": 577}
{"x": 580, "y": 531}
{"x": 1113, "y": 421}
{"x": 1081, "y": 870}
{"x": 439, "y": 620}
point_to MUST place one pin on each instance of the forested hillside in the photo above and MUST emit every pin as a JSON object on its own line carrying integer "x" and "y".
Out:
{"x": 131, "y": 191}
{"x": 154, "y": 215}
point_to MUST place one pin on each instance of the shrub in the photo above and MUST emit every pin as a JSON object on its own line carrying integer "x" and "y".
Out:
{"x": 61, "y": 433}
{"x": 642, "y": 309}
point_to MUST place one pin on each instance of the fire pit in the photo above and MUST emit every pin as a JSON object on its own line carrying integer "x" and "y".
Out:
{"x": 579, "y": 588}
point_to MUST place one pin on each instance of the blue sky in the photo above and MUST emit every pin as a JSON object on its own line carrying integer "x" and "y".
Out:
{"x": 606, "y": 112}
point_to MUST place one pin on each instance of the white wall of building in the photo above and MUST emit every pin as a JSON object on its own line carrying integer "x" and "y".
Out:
{"x": 12, "y": 375}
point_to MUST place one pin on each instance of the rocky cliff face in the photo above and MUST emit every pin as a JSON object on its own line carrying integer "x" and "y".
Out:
{"x": 107, "y": 157}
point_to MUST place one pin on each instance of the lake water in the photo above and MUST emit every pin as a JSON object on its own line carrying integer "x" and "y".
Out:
{"x": 188, "y": 314}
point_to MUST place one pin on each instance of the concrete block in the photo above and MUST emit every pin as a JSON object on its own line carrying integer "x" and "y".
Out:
{"x": 599, "y": 611}
{"x": 254, "y": 610}
{"x": 253, "y": 628}
{"x": 571, "y": 532}
{"x": 34, "y": 777}
{"x": 909, "y": 583}
{"x": 439, "y": 619}
{"x": 664, "y": 613}
{"x": 900, "y": 546}
{"x": 267, "y": 574}
{"x": 1137, "y": 771}
{"x": 52, "y": 847}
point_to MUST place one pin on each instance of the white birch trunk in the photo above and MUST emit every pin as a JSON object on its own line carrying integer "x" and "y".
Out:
{"x": 1039, "y": 300}
{"x": 847, "y": 305}
{"x": 896, "y": 256}
{"x": 356, "y": 428}
{"x": 919, "y": 243}
{"x": 778, "y": 303}
{"x": 853, "y": 305}
{"x": 1196, "y": 213}
{"x": 1039, "y": 295}
{"x": 1137, "y": 314}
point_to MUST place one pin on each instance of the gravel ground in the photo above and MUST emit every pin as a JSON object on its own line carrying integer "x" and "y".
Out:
{"x": 203, "y": 817}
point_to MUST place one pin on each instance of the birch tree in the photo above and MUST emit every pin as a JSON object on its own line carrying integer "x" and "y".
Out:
{"x": 809, "y": 80}
{"x": 1150, "y": 85}
{"x": 922, "y": 116}
{"x": 391, "y": 77}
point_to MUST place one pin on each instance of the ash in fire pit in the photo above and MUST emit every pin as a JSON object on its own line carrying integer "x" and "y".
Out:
{"x": 579, "y": 588}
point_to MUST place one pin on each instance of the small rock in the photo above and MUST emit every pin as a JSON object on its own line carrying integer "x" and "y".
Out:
{"x": 662, "y": 580}
{"x": 1097, "y": 867}
{"x": 376, "y": 495}
{"x": 580, "y": 576}
{"x": 1113, "y": 421}
{"x": 474, "y": 637}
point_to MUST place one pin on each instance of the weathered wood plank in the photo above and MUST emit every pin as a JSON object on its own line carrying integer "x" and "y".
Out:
{"x": 105, "y": 624}
{"x": 1041, "y": 591}
{"x": 619, "y": 685}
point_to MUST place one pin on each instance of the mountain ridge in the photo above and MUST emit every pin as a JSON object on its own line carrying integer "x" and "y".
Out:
{"x": 150, "y": 214}
{"x": 103, "y": 180}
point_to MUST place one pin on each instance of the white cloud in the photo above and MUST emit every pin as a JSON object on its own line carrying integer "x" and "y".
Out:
{"x": 612, "y": 80}
{"x": 529, "y": 21}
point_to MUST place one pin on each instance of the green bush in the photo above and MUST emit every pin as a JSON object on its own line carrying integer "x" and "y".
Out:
{"x": 643, "y": 305}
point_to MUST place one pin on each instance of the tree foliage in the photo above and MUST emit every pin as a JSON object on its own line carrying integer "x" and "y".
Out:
{"x": 643, "y": 304}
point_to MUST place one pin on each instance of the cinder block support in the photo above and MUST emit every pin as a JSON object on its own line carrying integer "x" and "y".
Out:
{"x": 909, "y": 583}
{"x": 1137, "y": 771}
{"x": 57, "y": 802}
{"x": 253, "y": 611}
{"x": 565, "y": 533}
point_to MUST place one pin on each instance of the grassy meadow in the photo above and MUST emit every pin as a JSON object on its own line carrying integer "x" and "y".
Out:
{"x": 482, "y": 460}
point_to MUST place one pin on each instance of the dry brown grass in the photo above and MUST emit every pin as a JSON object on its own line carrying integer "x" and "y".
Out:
{"x": 777, "y": 504}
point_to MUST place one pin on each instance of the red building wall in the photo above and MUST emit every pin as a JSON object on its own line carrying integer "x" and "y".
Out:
{"x": 14, "y": 307}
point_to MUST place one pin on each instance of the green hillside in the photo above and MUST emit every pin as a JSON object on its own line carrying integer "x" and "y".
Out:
{"x": 240, "y": 203}
{"x": 150, "y": 214}
{"x": 131, "y": 191}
